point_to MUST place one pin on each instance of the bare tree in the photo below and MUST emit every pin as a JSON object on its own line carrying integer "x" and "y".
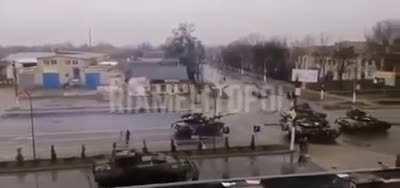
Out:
{"x": 379, "y": 41}
{"x": 306, "y": 42}
{"x": 323, "y": 39}
{"x": 187, "y": 48}
{"x": 252, "y": 39}
{"x": 382, "y": 41}
{"x": 343, "y": 54}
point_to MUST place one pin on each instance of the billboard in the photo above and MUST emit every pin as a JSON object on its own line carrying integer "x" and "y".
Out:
{"x": 305, "y": 75}
{"x": 388, "y": 77}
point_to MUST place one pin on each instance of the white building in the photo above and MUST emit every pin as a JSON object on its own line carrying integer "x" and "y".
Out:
{"x": 358, "y": 67}
{"x": 54, "y": 70}
{"x": 23, "y": 61}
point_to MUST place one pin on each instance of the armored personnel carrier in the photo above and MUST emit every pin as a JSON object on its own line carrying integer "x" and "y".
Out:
{"x": 128, "y": 168}
{"x": 357, "y": 120}
{"x": 196, "y": 124}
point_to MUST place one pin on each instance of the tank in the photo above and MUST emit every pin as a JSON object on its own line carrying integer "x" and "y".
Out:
{"x": 129, "y": 168}
{"x": 302, "y": 111}
{"x": 357, "y": 120}
{"x": 306, "y": 110}
{"x": 310, "y": 124}
{"x": 196, "y": 124}
{"x": 315, "y": 129}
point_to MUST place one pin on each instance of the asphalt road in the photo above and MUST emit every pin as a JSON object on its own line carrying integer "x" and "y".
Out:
{"x": 208, "y": 168}
{"x": 98, "y": 132}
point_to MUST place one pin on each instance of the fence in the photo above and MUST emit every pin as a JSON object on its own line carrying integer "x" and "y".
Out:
{"x": 237, "y": 72}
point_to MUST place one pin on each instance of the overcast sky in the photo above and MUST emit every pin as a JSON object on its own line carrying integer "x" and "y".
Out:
{"x": 123, "y": 22}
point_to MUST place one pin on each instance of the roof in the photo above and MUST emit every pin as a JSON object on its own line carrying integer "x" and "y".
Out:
{"x": 26, "y": 56}
{"x": 153, "y": 54}
{"x": 75, "y": 54}
{"x": 158, "y": 71}
{"x": 157, "y": 60}
{"x": 32, "y": 57}
{"x": 359, "y": 46}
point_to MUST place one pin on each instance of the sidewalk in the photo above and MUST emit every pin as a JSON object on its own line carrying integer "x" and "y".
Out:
{"x": 345, "y": 157}
{"x": 74, "y": 92}
{"x": 192, "y": 154}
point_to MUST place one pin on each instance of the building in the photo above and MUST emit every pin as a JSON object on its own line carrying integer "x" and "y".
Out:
{"x": 63, "y": 68}
{"x": 358, "y": 67}
{"x": 163, "y": 78}
{"x": 23, "y": 61}
{"x": 156, "y": 56}
{"x": 55, "y": 70}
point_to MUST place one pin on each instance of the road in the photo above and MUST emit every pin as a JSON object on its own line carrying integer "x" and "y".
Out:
{"x": 99, "y": 131}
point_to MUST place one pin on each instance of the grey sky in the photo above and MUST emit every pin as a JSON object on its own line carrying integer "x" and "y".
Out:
{"x": 124, "y": 22}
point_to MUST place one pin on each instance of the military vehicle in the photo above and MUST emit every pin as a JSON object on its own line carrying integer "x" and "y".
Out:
{"x": 302, "y": 111}
{"x": 315, "y": 129}
{"x": 310, "y": 124}
{"x": 306, "y": 110}
{"x": 196, "y": 124}
{"x": 357, "y": 120}
{"x": 129, "y": 168}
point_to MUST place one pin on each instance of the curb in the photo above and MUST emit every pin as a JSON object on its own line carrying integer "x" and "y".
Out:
{"x": 88, "y": 163}
{"x": 261, "y": 153}
{"x": 46, "y": 168}
{"x": 80, "y": 112}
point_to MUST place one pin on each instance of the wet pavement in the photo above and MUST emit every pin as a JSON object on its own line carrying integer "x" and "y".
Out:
{"x": 218, "y": 168}
{"x": 99, "y": 131}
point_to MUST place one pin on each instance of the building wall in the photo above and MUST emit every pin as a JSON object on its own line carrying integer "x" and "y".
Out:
{"x": 107, "y": 73}
{"x": 64, "y": 66}
{"x": 170, "y": 88}
{"x": 354, "y": 68}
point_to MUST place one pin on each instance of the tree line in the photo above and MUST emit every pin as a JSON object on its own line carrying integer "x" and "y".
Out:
{"x": 270, "y": 57}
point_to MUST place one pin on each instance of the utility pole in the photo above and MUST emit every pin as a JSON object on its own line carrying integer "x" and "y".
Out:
{"x": 241, "y": 64}
{"x": 355, "y": 85}
{"x": 293, "y": 130}
{"x": 32, "y": 125}
{"x": 90, "y": 37}
{"x": 15, "y": 82}
{"x": 265, "y": 71}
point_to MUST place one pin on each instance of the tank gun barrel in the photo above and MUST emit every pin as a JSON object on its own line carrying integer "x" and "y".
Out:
{"x": 220, "y": 116}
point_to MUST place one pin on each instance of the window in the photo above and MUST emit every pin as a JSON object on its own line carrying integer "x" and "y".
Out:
{"x": 29, "y": 64}
{"x": 180, "y": 88}
{"x": 53, "y": 62}
{"x": 75, "y": 62}
{"x": 46, "y": 62}
{"x": 153, "y": 88}
{"x": 163, "y": 88}
{"x": 68, "y": 62}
